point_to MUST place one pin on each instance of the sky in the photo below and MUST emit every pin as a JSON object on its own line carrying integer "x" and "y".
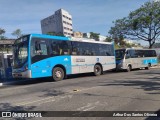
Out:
{"x": 87, "y": 15}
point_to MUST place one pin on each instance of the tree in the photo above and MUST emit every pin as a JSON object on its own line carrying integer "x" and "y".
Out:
{"x": 141, "y": 24}
{"x": 2, "y": 32}
{"x": 108, "y": 39}
{"x": 94, "y": 36}
{"x": 17, "y": 33}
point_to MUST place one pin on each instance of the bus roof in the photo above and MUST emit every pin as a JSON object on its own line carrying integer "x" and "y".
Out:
{"x": 69, "y": 38}
{"x": 133, "y": 49}
{"x": 49, "y": 36}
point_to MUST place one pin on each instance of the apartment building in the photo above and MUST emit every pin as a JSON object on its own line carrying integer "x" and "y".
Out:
{"x": 60, "y": 23}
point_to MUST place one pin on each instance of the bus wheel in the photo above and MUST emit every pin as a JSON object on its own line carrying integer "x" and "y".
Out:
{"x": 148, "y": 67}
{"x": 58, "y": 74}
{"x": 129, "y": 68}
{"x": 97, "y": 70}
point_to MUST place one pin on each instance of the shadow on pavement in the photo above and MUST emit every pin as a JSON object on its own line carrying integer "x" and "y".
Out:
{"x": 145, "y": 85}
{"x": 16, "y": 82}
{"x": 52, "y": 93}
{"x": 6, "y": 107}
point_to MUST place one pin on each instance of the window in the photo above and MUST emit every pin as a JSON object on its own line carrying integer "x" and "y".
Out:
{"x": 92, "y": 49}
{"x": 106, "y": 50}
{"x": 150, "y": 53}
{"x": 140, "y": 53}
{"x": 60, "y": 47}
{"x": 39, "y": 49}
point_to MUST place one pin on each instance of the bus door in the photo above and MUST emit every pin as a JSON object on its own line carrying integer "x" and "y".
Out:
{"x": 140, "y": 57}
{"x": 40, "y": 67}
{"x": 133, "y": 58}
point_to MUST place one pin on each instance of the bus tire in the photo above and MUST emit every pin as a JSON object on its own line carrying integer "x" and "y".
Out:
{"x": 129, "y": 68}
{"x": 58, "y": 74}
{"x": 148, "y": 67}
{"x": 97, "y": 70}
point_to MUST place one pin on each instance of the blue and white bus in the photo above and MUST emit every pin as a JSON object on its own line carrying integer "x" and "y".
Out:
{"x": 37, "y": 55}
{"x": 131, "y": 58}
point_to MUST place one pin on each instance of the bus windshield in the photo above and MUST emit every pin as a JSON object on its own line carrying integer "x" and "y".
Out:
{"x": 20, "y": 51}
{"x": 120, "y": 54}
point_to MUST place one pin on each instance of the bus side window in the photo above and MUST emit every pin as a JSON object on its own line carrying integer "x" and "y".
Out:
{"x": 54, "y": 48}
{"x": 39, "y": 49}
{"x": 128, "y": 54}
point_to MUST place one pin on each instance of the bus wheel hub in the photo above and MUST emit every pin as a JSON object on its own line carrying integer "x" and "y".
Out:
{"x": 58, "y": 74}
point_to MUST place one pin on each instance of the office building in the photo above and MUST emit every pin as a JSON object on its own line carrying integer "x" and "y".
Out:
{"x": 59, "y": 23}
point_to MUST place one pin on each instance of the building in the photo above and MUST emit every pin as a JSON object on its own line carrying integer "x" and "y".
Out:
{"x": 59, "y": 23}
{"x": 78, "y": 34}
{"x": 129, "y": 41}
{"x": 6, "y": 45}
{"x": 101, "y": 37}
{"x": 86, "y": 35}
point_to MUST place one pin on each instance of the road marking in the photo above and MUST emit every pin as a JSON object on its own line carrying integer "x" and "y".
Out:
{"x": 55, "y": 97}
{"x": 89, "y": 106}
{"x": 45, "y": 100}
{"x": 26, "y": 103}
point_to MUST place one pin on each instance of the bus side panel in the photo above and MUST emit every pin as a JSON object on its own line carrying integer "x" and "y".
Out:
{"x": 123, "y": 64}
{"x": 44, "y": 67}
{"x": 152, "y": 61}
{"x": 84, "y": 64}
{"x": 108, "y": 63}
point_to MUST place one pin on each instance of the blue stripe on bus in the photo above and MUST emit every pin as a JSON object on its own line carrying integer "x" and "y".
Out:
{"x": 44, "y": 67}
{"x": 152, "y": 61}
{"x": 94, "y": 64}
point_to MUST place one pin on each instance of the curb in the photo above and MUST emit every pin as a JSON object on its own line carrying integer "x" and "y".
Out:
{"x": 12, "y": 82}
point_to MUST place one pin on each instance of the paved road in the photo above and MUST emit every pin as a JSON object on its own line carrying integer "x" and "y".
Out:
{"x": 138, "y": 90}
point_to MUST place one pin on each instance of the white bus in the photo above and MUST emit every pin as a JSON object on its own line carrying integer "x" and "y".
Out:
{"x": 128, "y": 59}
{"x": 37, "y": 55}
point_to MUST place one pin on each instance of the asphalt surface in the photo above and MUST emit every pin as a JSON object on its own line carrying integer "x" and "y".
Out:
{"x": 138, "y": 90}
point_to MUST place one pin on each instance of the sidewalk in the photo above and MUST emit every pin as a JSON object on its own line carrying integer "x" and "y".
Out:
{"x": 11, "y": 81}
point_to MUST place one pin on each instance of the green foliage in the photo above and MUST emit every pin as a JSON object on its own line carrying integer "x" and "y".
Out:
{"x": 94, "y": 36}
{"x": 2, "y": 37}
{"x": 2, "y": 32}
{"x": 141, "y": 24}
{"x": 17, "y": 33}
{"x": 108, "y": 39}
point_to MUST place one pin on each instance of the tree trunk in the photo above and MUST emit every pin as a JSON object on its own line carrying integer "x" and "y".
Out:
{"x": 150, "y": 44}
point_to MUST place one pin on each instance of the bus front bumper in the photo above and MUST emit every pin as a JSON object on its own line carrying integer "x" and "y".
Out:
{"x": 25, "y": 74}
